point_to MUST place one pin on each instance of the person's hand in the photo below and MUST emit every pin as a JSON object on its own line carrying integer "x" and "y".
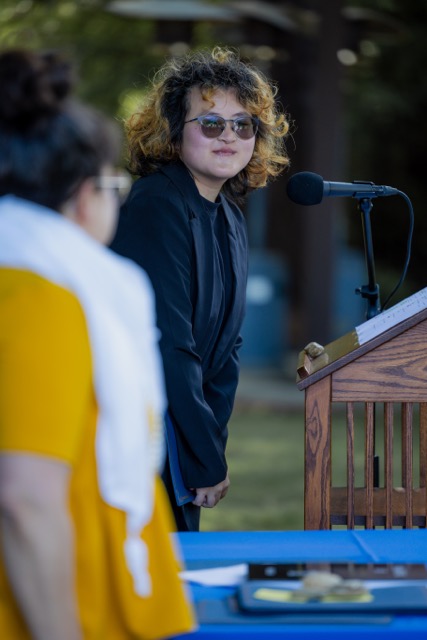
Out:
{"x": 210, "y": 496}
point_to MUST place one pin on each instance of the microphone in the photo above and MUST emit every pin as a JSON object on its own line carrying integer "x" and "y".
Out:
{"x": 309, "y": 188}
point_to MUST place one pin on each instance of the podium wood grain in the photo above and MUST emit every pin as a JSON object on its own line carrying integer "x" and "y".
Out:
{"x": 388, "y": 373}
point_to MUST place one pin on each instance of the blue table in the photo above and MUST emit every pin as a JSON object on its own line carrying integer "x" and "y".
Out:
{"x": 210, "y": 549}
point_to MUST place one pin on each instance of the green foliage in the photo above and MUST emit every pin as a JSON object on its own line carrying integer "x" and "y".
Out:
{"x": 112, "y": 53}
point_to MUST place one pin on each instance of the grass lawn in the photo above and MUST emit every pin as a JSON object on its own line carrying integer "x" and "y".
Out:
{"x": 266, "y": 466}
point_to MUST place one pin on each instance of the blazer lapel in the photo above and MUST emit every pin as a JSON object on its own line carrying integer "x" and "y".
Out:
{"x": 238, "y": 255}
{"x": 210, "y": 295}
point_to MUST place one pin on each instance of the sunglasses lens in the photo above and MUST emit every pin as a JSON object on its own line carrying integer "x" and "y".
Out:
{"x": 212, "y": 126}
{"x": 245, "y": 127}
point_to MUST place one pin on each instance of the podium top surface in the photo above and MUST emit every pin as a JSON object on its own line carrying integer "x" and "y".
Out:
{"x": 318, "y": 362}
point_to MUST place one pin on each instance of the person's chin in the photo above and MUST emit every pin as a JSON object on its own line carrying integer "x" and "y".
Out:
{"x": 227, "y": 170}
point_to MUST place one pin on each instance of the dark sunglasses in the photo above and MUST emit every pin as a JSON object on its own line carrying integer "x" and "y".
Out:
{"x": 245, "y": 127}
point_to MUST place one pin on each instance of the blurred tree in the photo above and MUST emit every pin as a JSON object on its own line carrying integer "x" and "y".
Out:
{"x": 385, "y": 108}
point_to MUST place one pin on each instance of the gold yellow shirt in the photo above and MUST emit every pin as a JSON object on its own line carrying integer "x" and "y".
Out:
{"x": 48, "y": 408}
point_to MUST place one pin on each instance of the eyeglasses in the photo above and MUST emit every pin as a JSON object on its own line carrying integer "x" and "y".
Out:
{"x": 120, "y": 183}
{"x": 245, "y": 127}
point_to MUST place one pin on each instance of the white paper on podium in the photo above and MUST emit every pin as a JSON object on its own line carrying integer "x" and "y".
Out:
{"x": 391, "y": 317}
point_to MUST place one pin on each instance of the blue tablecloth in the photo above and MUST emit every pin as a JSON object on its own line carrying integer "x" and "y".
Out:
{"x": 210, "y": 549}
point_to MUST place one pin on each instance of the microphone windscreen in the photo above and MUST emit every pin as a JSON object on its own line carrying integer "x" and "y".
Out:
{"x": 305, "y": 188}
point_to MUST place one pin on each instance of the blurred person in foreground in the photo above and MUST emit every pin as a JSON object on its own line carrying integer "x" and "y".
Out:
{"x": 85, "y": 546}
{"x": 209, "y": 132}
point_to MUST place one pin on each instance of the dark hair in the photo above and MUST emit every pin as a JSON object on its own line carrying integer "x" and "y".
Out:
{"x": 49, "y": 143}
{"x": 155, "y": 131}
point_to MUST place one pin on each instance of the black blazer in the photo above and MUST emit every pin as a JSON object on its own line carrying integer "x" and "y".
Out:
{"x": 164, "y": 227}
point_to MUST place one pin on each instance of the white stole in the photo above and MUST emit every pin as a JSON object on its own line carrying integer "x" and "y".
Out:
{"x": 118, "y": 303}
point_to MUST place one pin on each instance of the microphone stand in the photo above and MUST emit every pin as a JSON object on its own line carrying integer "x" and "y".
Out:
{"x": 371, "y": 292}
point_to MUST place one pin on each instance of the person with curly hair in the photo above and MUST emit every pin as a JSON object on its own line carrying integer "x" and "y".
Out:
{"x": 209, "y": 132}
{"x": 85, "y": 548}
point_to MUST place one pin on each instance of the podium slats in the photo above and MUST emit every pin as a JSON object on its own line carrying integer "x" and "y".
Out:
{"x": 339, "y": 511}
{"x": 407, "y": 459}
{"x": 388, "y": 462}
{"x": 387, "y": 373}
{"x": 369, "y": 463}
{"x": 423, "y": 447}
{"x": 350, "y": 465}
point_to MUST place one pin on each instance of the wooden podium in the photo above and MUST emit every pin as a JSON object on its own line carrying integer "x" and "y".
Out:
{"x": 379, "y": 368}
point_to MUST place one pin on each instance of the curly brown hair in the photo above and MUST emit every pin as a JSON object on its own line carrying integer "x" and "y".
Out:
{"x": 155, "y": 131}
